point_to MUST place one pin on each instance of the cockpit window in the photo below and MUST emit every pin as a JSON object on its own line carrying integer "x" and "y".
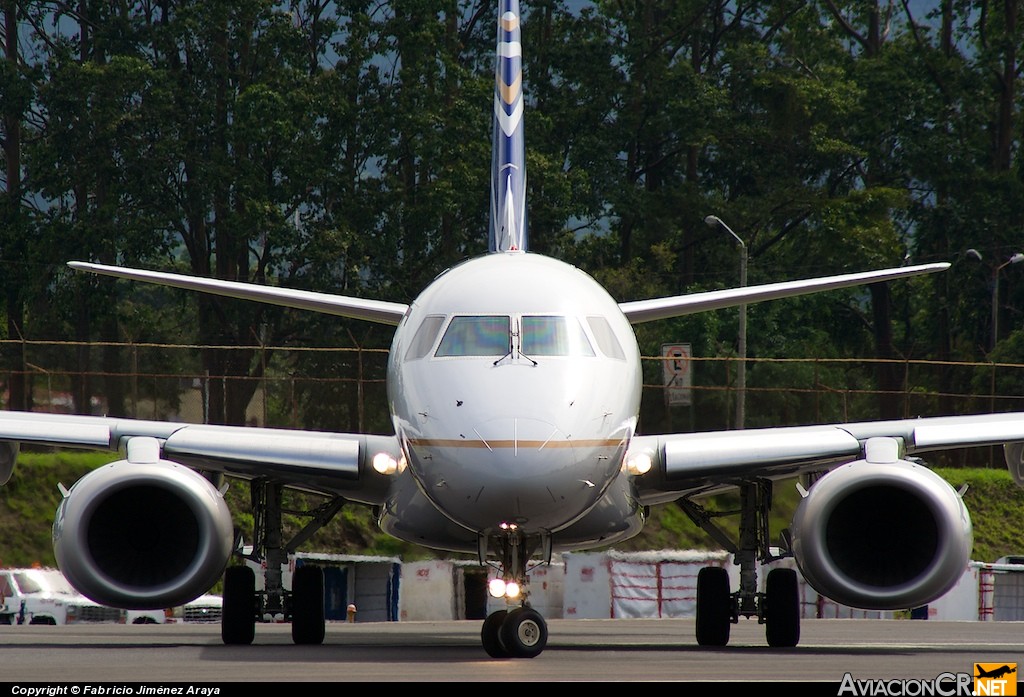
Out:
{"x": 605, "y": 337}
{"x": 424, "y": 337}
{"x": 554, "y": 336}
{"x": 485, "y": 335}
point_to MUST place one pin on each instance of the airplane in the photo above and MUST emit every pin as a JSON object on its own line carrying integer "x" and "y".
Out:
{"x": 996, "y": 672}
{"x": 513, "y": 384}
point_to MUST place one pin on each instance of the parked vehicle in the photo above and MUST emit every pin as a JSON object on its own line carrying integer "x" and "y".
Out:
{"x": 44, "y": 596}
{"x": 205, "y": 609}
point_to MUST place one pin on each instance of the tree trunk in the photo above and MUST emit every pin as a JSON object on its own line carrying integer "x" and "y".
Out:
{"x": 888, "y": 375}
{"x": 12, "y": 240}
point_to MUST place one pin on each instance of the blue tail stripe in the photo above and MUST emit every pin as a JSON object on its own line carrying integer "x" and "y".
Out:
{"x": 508, "y": 168}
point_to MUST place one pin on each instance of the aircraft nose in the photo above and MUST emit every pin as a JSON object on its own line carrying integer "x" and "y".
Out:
{"x": 525, "y": 471}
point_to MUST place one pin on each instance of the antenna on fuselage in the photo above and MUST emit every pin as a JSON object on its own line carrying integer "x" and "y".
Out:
{"x": 508, "y": 165}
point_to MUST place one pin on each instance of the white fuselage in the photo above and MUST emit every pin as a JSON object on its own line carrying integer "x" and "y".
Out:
{"x": 515, "y": 390}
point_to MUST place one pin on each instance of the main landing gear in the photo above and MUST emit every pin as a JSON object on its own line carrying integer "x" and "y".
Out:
{"x": 303, "y": 605}
{"x": 778, "y": 607}
{"x": 520, "y": 631}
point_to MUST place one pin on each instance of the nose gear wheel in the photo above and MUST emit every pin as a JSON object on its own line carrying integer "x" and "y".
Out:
{"x": 518, "y": 632}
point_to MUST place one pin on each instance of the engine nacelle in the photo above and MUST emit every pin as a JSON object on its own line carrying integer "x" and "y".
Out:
{"x": 1014, "y": 454}
{"x": 882, "y": 535}
{"x": 143, "y": 535}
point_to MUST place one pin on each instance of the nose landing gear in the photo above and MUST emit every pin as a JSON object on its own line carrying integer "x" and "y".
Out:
{"x": 519, "y": 631}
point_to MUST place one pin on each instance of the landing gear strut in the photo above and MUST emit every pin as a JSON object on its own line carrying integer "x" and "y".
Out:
{"x": 303, "y": 605}
{"x": 520, "y": 631}
{"x": 778, "y": 607}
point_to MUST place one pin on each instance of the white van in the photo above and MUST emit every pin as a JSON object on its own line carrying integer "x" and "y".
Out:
{"x": 44, "y": 596}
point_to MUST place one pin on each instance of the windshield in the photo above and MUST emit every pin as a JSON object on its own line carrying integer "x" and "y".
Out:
{"x": 491, "y": 335}
{"x": 482, "y": 335}
{"x": 605, "y": 337}
{"x": 41, "y": 581}
{"x": 424, "y": 337}
{"x": 554, "y": 336}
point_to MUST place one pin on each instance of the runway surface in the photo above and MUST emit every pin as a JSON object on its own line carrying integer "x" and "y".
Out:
{"x": 577, "y": 650}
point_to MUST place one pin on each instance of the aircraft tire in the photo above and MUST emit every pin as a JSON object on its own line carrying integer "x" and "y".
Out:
{"x": 490, "y": 634}
{"x": 238, "y": 616}
{"x": 308, "y": 616}
{"x": 714, "y": 606}
{"x": 524, "y": 633}
{"x": 782, "y": 608}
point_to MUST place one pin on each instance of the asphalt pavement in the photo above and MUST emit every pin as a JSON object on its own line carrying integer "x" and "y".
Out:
{"x": 191, "y": 659}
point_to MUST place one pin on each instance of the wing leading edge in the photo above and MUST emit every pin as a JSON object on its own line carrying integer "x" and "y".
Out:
{"x": 357, "y": 308}
{"x": 384, "y": 312}
{"x": 331, "y": 463}
{"x": 662, "y": 308}
{"x": 685, "y": 463}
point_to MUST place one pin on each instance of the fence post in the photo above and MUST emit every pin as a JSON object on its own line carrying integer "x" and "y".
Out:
{"x": 359, "y": 378}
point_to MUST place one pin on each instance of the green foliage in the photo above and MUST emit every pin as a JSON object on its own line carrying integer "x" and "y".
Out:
{"x": 28, "y": 503}
{"x": 345, "y": 147}
{"x": 995, "y": 503}
{"x": 1007, "y": 380}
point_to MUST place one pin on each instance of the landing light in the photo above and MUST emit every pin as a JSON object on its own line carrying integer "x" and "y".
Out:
{"x": 384, "y": 463}
{"x": 639, "y": 463}
{"x": 499, "y": 588}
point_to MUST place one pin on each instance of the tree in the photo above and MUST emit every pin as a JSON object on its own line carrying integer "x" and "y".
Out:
{"x": 15, "y": 95}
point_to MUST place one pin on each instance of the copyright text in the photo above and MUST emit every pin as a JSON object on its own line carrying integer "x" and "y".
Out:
{"x": 111, "y": 690}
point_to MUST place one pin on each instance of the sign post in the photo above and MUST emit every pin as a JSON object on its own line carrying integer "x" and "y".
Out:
{"x": 677, "y": 372}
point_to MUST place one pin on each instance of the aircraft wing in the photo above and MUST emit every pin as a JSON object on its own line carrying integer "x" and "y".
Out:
{"x": 693, "y": 463}
{"x": 330, "y": 463}
{"x": 662, "y": 308}
{"x": 357, "y": 308}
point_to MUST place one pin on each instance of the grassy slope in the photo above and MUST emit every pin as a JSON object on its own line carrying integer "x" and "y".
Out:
{"x": 995, "y": 503}
{"x": 28, "y": 502}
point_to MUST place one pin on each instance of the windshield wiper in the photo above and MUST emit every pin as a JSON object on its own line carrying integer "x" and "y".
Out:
{"x": 515, "y": 346}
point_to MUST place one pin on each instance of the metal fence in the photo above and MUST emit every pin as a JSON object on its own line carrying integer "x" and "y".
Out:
{"x": 343, "y": 389}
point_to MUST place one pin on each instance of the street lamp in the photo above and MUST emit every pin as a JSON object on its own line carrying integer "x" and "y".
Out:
{"x": 1016, "y": 258}
{"x": 714, "y": 221}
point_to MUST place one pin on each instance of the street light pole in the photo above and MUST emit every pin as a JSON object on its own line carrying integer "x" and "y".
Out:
{"x": 1016, "y": 258}
{"x": 741, "y": 377}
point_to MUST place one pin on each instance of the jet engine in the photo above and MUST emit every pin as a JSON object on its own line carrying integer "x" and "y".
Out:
{"x": 142, "y": 535}
{"x": 882, "y": 535}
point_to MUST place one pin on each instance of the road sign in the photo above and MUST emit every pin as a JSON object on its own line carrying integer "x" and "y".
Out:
{"x": 678, "y": 372}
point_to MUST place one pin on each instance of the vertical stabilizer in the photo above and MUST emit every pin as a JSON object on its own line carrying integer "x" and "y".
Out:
{"x": 508, "y": 168}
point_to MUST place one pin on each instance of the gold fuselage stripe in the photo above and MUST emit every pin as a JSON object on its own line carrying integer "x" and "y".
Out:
{"x": 491, "y": 444}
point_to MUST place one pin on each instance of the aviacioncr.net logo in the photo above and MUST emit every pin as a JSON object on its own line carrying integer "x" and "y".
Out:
{"x": 995, "y": 679}
{"x": 943, "y": 685}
